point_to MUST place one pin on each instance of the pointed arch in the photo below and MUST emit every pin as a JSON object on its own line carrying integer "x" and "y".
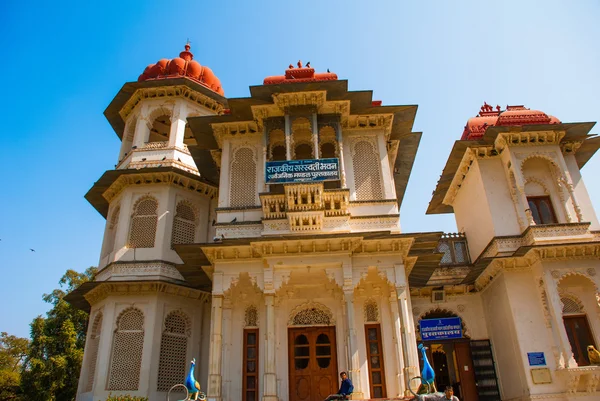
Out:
{"x": 242, "y": 178}
{"x": 367, "y": 171}
{"x": 371, "y": 311}
{"x": 142, "y": 232}
{"x": 185, "y": 222}
{"x": 173, "y": 350}
{"x": 311, "y": 314}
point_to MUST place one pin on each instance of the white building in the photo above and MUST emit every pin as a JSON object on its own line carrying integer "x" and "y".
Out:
{"x": 277, "y": 274}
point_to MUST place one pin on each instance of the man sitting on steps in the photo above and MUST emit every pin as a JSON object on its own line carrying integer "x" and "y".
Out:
{"x": 345, "y": 390}
{"x": 447, "y": 396}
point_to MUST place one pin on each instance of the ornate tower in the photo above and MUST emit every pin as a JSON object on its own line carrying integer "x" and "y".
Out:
{"x": 146, "y": 321}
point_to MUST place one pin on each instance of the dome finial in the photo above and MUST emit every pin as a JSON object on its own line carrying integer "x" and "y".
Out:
{"x": 186, "y": 54}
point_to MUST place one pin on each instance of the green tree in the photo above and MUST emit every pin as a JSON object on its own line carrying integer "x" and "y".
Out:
{"x": 13, "y": 351}
{"x": 53, "y": 362}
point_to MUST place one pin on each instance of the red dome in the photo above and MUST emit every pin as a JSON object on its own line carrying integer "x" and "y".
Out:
{"x": 513, "y": 115}
{"x": 184, "y": 65}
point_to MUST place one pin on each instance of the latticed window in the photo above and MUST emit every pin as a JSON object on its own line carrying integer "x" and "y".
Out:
{"x": 371, "y": 311}
{"x": 109, "y": 245}
{"x": 173, "y": 350}
{"x": 128, "y": 343}
{"x": 143, "y": 224}
{"x": 242, "y": 191}
{"x": 571, "y": 305}
{"x": 311, "y": 317}
{"x": 184, "y": 224}
{"x": 367, "y": 171}
{"x": 92, "y": 351}
{"x": 251, "y": 316}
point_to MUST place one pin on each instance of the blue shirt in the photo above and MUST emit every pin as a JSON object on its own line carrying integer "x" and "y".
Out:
{"x": 346, "y": 387}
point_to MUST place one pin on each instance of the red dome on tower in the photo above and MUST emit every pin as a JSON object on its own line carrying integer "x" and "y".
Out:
{"x": 513, "y": 115}
{"x": 186, "y": 66}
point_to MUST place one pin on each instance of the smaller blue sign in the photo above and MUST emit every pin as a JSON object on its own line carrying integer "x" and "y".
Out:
{"x": 536, "y": 359}
{"x": 441, "y": 329}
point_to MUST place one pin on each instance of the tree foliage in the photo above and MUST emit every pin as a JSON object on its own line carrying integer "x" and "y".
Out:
{"x": 13, "y": 351}
{"x": 51, "y": 369}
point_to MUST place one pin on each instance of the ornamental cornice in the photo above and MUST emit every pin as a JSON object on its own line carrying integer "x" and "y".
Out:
{"x": 496, "y": 266}
{"x": 294, "y": 99}
{"x": 310, "y": 306}
{"x": 116, "y": 288}
{"x": 141, "y": 269}
{"x": 570, "y": 146}
{"x": 369, "y": 122}
{"x": 236, "y": 129}
{"x": 579, "y": 251}
{"x": 166, "y": 92}
{"x": 536, "y": 138}
{"x": 169, "y": 178}
{"x": 138, "y": 165}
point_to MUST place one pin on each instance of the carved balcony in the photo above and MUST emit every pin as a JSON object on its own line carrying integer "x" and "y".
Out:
{"x": 336, "y": 202}
{"x": 158, "y": 154}
{"x": 304, "y": 197}
{"x": 306, "y": 221}
{"x": 581, "y": 380}
{"x": 273, "y": 206}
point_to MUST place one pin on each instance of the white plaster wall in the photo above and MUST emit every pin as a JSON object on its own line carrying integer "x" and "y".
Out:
{"x": 581, "y": 193}
{"x": 504, "y": 340}
{"x": 472, "y": 212}
{"x": 504, "y": 216}
{"x": 155, "y": 309}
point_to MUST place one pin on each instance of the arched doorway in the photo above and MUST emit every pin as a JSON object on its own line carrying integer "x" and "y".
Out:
{"x": 312, "y": 353}
{"x": 450, "y": 358}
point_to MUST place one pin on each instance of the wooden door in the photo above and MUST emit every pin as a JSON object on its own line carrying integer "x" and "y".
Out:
{"x": 312, "y": 363}
{"x": 580, "y": 336}
{"x": 465, "y": 371}
{"x": 250, "y": 368}
{"x": 375, "y": 361}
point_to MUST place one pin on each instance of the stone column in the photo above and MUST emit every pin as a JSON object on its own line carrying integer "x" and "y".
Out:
{"x": 338, "y": 132}
{"x": 555, "y": 308}
{"x": 224, "y": 179}
{"x": 178, "y": 122}
{"x": 265, "y": 143}
{"x": 288, "y": 138}
{"x": 142, "y": 132}
{"x": 409, "y": 339}
{"x": 215, "y": 355}
{"x": 315, "y": 136}
{"x": 400, "y": 354}
{"x": 270, "y": 375}
{"x": 353, "y": 362}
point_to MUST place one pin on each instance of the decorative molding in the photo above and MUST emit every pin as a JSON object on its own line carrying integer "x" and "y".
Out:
{"x": 311, "y": 314}
{"x": 116, "y": 288}
{"x": 169, "y": 92}
{"x": 141, "y": 269}
{"x": 169, "y": 178}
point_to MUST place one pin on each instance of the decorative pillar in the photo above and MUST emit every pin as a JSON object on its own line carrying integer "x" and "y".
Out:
{"x": 224, "y": 180}
{"x": 288, "y": 138}
{"x": 315, "y": 136}
{"x": 566, "y": 358}
{"x": 215, "y": 355}
{"x": 338, "y": 133}
{"x": 265, "y": 143}
{"x": 400, "y": 354}
{"x": 142, "y": 132}
{"x": 409, "y": 339}
{"x": 178, "y": 122}
{"x": 270, "y": 376}
{"x": 353, "y": 362}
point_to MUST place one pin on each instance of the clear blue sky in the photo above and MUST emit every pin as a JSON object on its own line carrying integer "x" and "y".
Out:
{"x": 65, "y": 61}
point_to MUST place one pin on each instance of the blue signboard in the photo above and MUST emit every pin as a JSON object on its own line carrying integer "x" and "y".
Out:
{"x": 441, "y": 329}
{"x": 536, "y": 359}
{"x": 311, "y": 170}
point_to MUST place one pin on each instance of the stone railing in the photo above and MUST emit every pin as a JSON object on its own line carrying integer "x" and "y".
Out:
{"x": 336, "y": 202}
{"x": 156, "y": 145}
{"x": 304, "y": 197}
{"x": 306, "y": 221}
{"x": 582, "y": 379}
{"x": 273, "y": 206}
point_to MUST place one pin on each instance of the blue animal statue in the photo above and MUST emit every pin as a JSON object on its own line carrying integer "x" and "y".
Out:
{"x": 427, "y": 374}
{"x": 192, "y": 384}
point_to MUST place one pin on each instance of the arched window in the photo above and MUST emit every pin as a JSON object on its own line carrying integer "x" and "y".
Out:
{"x": 126, "y": 359}
{"x": 328, "y": 142}
{"x": 160, "y": 130}
{"x": 143, "y": 224}
{"x": 173, "y": 350}
{"x": 92, "y": 351}
{"x": 184, "y": 224}
{"x": 303, "y": 151}
{"x": 302, "y": 139}
{"x": 242, "y": 179}
{"x": 367, "y": 171}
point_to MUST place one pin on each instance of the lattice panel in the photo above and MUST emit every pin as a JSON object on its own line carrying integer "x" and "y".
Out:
{"x": 92, "y": 350}
{"x": 184, "y": 225}
{"x": 571, "y": 305}
{"x": 128, "y": 344}
{"x": 242, "y": 190}
{"x": 311, "y": 317}
{"x": 173, "y": 351}
{"x": 143, "y": 224}
{"x": 251, "y": 316}
{"x": 371, "y": 311}
{"x": 444, "y": 247}
{"x": 367, "y": 171}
